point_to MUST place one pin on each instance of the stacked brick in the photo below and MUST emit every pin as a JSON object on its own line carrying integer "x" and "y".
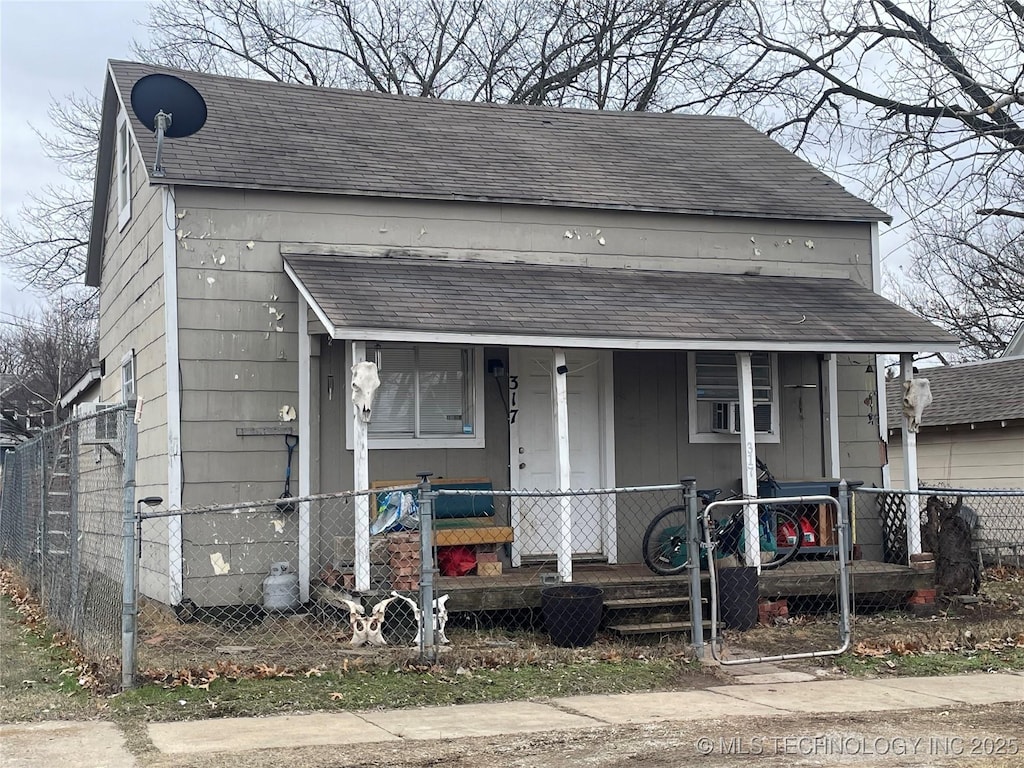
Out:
{"x": 770, "y": 610}
{"x": 404, "y": 560}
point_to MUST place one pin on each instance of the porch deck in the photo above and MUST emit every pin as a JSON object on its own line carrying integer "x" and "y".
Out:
{"x": 521, "y": 587}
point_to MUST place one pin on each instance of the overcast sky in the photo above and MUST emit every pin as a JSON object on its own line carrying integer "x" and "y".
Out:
{"x": 49, "y": 49}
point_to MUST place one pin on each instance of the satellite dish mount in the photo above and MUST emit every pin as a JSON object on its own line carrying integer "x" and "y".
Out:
{"x": 163, "y": 122}
{"x": 156, "y": 99}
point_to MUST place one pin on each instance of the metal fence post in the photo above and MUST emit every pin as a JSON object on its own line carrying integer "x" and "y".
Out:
{"x": 129, "y": 607}
{"x": 428, "y": 643}
{"x": 693, "y": 553}
{"x": 844, "y": 536}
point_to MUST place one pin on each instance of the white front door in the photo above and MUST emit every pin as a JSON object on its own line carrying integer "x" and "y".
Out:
{"x": 532, "y": 450}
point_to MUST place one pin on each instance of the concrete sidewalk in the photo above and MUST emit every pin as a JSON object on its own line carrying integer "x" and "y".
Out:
{"x": 91, "y": 744}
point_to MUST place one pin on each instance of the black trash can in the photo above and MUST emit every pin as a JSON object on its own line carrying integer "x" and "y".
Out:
{"x": 572, "y": 613}
{"x": 737, "y": 597}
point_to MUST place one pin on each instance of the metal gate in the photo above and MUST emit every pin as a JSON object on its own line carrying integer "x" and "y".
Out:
{"x": 772, "y": 593}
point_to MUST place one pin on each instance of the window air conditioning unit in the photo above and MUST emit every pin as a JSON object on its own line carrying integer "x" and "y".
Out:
{"x": 725, "y": 417}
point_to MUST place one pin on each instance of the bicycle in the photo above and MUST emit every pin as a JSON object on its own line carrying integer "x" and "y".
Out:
{"x": 666, "y": 547}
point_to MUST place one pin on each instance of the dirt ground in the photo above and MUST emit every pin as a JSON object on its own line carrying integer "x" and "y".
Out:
{"x": 967, "y": 737}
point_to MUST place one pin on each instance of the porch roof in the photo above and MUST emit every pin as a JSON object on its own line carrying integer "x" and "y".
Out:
{"x": 429, "y": 300}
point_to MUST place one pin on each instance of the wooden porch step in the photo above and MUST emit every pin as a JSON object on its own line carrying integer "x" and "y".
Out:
{"x": 646, "y": 602}
{"x": 654, "y": 628}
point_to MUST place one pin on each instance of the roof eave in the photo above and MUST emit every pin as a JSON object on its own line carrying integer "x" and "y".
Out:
{"x": 182, "y": 181}
{"x": 101, "y": 181}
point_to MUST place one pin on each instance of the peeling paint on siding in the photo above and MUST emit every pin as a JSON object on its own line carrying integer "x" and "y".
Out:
{"x": 220, "y": 566}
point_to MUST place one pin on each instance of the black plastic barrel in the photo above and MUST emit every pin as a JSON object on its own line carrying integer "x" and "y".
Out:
{"x": 737, "y": 596}
{"x": 572, "y": 613}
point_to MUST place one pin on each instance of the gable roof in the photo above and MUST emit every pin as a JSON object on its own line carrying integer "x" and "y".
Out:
{"x": 990, "y": 390}
{"x": 433, "y": 300}
{"x": 269, "y": 135}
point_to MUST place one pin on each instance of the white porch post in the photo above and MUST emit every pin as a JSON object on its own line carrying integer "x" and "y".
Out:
{"x": 560, "y": 403}
{"x": 305, "y": 435}
{"x": 360, "y": 481}
{"x": 831, "y": 417}
{"x": 910, "y": 466}
{"x": 748, "y": 460}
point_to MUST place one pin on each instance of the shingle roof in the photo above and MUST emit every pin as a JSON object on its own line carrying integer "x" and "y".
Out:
{"x": 607, "y": 305}
{"x": 269, "y": 135}
{"x": 992, "y": 390}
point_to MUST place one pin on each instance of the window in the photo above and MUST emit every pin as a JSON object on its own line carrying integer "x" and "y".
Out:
{"x": 715, "y": 397}
{"x": 429, "y": 396}
{"x": 128, "y": 376}
{"x": 122, "y": 168}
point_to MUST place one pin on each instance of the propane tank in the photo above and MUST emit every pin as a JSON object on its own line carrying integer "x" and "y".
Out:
{"x": 281, "y": 589}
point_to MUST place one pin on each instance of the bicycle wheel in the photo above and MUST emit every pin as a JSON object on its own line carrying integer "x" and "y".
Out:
{"x": 666, "y": 551}
{"x": 787, "y": 538}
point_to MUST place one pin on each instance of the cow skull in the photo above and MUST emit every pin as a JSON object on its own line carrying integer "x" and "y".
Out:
{"x": 917, "y": 395}
{"x": 365, "y": 381}
{"x": 440, "y": 616}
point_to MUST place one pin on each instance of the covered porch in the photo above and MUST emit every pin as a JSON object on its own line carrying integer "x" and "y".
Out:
{"x": 581, "y": 377}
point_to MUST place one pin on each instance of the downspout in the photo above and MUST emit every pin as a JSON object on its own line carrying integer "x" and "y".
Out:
{"x": 305, "y": 448}
{"x": 171, "y": 367}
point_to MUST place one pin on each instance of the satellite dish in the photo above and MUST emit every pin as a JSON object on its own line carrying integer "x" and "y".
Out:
{"x": 168, "y": 106}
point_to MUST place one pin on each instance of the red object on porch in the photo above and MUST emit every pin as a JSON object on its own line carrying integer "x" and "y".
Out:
{"x": 456, "y": 561}
{"x": 807, "y": 533}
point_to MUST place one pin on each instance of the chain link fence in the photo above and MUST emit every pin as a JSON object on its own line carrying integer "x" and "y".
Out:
{"x": 61, "y": 511}
{"x": 463, "y": 571}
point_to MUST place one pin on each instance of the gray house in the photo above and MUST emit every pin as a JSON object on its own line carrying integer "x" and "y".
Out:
{"x": 632, "y": 296}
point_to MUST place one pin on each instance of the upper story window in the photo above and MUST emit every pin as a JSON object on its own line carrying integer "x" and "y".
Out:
{"x": 430, "y": 396}
{"x": 714, "y": 397}
{"x": 123, "y": 170}
{"x": 128, "y": 376}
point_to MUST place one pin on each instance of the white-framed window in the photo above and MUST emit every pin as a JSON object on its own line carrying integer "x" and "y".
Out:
{"x": 123, "y": 170}
{"x": 714, "y": 397}
{"x": 430, "y": 396}
{"x": 128, "y": 376}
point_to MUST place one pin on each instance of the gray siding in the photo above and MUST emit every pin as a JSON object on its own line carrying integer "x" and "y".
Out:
{"x": 239, "y": 348}
{"x": 132, "y": 317}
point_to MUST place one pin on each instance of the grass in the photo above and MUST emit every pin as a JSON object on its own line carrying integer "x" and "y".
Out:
{"x": 930, "y": 664}
{"x": 39, "y": 676}
{"x": 38, "y": 680}
{"x": 399, "y": 687}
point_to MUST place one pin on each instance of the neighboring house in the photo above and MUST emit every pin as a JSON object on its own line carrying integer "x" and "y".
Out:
{"x": 84, "y": 392}
{"x": 1015, "y": 347}
{"x": 471, "y": 248}
{"x": 972, "y": 434}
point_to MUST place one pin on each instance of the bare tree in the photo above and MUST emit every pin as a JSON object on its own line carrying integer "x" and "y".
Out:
{"x": 45, "y": 354}
{"x": 45, "y": 247}
{"x": 969, "y": 278}
{"x": 617, "y": 54}
{"x": 921, "y": 105}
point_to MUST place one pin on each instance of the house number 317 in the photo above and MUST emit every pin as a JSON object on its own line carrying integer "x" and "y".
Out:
{"x": 513, "y": 411}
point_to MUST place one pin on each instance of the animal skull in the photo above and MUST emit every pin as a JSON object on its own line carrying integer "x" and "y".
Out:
{"x": 917, "y": 395}
{"x": 440, "y": 616}
{"x": 365, "y": 381}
